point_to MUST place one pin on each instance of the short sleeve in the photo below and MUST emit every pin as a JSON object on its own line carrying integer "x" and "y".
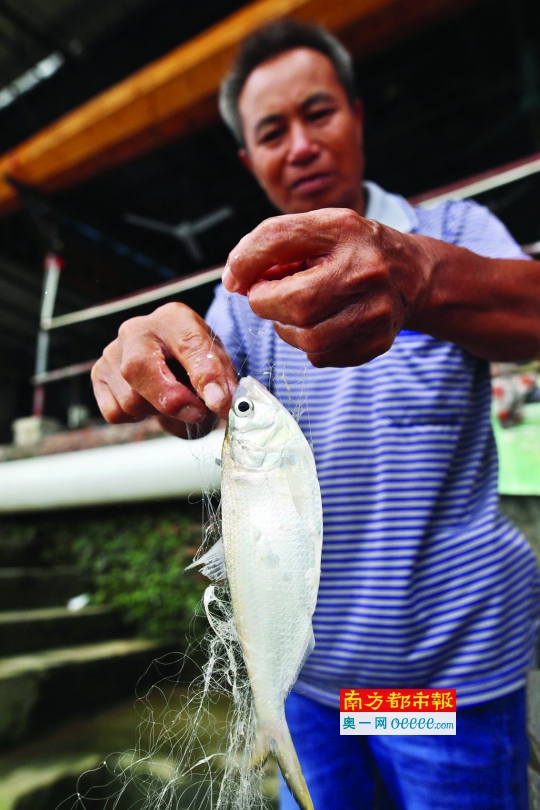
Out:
{"x": 474, "y": 227}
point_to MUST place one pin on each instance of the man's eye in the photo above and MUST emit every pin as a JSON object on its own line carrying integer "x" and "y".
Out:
{"x": 270, "y": 135}
{"x": 315, "y": 115}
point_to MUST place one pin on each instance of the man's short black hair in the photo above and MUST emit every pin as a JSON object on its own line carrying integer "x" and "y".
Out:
{"x": 271, "y": 41}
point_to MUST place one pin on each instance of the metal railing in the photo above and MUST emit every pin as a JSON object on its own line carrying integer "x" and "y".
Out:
{"x": 47, "y": 322}
{"x": 469, "y": 187}
{"x": 134, "y": 300}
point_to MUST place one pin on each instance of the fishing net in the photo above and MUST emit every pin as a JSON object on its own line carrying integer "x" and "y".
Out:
{"x": 195, "y": 744}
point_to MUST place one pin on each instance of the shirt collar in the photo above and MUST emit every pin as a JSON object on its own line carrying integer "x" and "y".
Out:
{"x": 389, "y": 209}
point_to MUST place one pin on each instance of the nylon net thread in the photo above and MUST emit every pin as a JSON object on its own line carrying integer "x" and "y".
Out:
{"x": 185, "y": 759}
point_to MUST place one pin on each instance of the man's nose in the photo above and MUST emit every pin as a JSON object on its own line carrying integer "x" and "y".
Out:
{"x": 302, "y": 147}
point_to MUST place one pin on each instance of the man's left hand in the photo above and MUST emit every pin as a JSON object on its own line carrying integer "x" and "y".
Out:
{"x": 336, "y": 286}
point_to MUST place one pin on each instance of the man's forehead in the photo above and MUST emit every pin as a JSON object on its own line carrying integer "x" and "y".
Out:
{"x": 290, "y": 77}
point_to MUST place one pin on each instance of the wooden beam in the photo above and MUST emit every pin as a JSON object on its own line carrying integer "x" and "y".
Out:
{"x": 176, "y": 94}
{"x": 399, "y": 21}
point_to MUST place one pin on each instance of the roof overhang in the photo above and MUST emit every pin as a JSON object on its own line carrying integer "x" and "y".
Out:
{"x": 176, "y": 95}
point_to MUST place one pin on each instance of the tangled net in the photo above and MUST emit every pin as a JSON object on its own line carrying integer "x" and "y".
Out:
{"x": 194, "y": 744}
{"x": 196, "y": 757}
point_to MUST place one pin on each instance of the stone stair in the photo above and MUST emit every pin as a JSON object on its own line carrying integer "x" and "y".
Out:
{"x": 37, "y": 587}
{"x": 54, "y": 662}
{"x": 24, "y": 631}
{"x": 16, "y": 551}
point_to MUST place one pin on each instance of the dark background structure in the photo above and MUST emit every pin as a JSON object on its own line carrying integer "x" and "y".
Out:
{"x": 458, "y": 98}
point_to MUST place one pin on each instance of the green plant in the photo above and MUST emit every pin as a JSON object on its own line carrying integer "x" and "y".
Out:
{"x": 138, "y": 565}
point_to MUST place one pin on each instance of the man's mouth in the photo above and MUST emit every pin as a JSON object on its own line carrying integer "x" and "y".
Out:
{"x": 312, "y": 184}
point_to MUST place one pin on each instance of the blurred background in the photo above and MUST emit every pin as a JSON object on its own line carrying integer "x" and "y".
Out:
{"x": 120, "y": 189}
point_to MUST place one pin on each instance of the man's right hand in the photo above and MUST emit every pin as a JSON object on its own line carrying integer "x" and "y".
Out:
{"x": 133, "y": 380}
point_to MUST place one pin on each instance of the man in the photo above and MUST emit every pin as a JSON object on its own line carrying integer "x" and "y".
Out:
{"x": 383, "y": 319}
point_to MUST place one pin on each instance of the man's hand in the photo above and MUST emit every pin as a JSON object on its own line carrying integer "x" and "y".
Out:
{"x": 133, "y": 379}
{"x": 336, "y": 285}
{"x": 340, "y": 287}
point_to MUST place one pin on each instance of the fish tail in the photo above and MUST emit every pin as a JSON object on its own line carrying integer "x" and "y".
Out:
{"x": 284, "y": 750}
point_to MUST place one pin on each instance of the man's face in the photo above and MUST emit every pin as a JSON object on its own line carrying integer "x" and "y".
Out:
{"x": 303, "y": 138}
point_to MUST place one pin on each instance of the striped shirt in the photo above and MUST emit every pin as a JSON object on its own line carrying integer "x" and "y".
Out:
{"x": 424, "y": 583}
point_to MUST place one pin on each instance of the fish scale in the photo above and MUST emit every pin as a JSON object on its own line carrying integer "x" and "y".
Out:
{"x": 272, "y": 539}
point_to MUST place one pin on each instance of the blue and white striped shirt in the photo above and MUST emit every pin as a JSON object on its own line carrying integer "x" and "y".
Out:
{"x": 424, "y": 582}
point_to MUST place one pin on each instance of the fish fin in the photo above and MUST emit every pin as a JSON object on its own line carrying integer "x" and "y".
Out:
{"x": 297, "y": 486}
{"x": 213, "y": 562}
{"x": 276, "y": 739}
{"x": 290, "y": 767}
{"x": 262, "y": 747}
{"x": 305, "y": 497}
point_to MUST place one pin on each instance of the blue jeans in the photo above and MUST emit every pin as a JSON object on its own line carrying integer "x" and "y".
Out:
{"x": 483, "y": 767}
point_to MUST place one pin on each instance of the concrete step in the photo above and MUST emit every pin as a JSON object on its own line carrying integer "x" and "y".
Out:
{"x": 23, "y": 631}
{"x": 46, "y": 786}
{"x": 22, "y": 588}
{"x": 40, "y": 690}
{"x": 46, "y": 773}
{"x": 56, "y": 788}
{"x": 17, "y": 551}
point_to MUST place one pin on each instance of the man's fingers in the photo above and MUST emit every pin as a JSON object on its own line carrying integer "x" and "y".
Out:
{"x": 297, "y": 299}
{"x": 339, "y": 355}
{"x": 208, "y": 366}
{"x": 116, "y": 399}
{"x": 109, "y": 406}
{"x": 149, "y": 378}
{"x": 175, "y": 332}
{"x": 283, "y": 240}
{"x": 323, "y": 342}
{"x": 352, "y": 353}
{"x": 136, "y": 378}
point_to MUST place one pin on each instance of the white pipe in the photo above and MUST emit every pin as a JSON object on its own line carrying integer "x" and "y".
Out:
{"x": 135, "y": 300}
{"x": 149, "y": 470}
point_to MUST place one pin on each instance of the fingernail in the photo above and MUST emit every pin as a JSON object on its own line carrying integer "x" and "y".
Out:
{"x": 214, "y": 395}
{"x": 232, "y": 386}
{"x": 190, "y": 413}
{"x": 228, "y": 280}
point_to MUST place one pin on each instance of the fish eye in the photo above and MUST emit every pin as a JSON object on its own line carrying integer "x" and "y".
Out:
{"x": 243, "y": 407}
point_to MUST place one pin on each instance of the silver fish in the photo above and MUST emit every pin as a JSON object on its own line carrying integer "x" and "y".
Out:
{"x": 272, "y": 540}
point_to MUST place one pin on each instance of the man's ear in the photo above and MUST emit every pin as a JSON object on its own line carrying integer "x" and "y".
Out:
{"x": 245, "y": 159}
